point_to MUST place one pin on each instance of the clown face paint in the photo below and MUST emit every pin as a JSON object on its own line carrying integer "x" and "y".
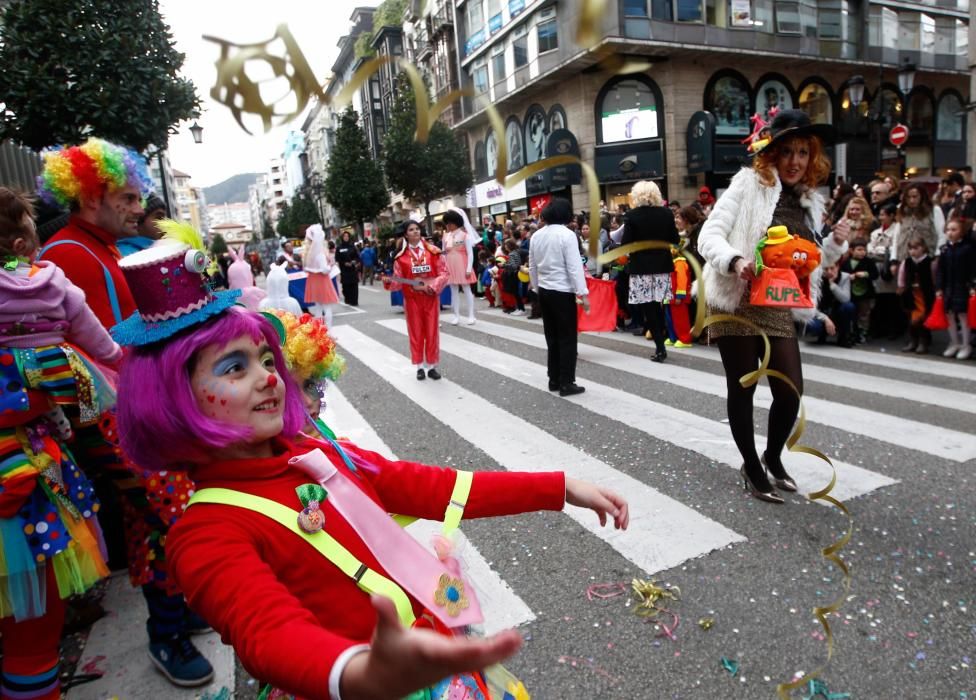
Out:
{"x": 238, "y": 383}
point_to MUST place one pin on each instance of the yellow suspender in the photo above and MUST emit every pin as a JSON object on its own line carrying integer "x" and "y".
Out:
{"x": 367, "y": 579}
{"x": 455, "y": 509}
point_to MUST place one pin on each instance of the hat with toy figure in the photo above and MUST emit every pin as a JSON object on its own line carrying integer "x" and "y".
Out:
{"x": 171, "y": 287}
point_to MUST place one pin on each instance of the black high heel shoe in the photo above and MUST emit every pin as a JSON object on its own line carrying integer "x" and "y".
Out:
{"x": 769, "y": 496}
{"x": 783, "y": 481}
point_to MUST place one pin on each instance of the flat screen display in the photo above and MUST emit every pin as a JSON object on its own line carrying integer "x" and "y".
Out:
{"x": 630, "y": 125}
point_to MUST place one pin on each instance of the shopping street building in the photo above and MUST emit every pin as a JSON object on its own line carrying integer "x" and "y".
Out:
{"x": 707, "y": 67}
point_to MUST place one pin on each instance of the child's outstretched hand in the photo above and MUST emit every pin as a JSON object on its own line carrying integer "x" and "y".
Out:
{"x": 603, "y": 501}
{"x": 401, "y": 661}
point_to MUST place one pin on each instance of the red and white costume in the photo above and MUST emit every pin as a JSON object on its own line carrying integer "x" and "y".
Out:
{"x": 425, "y": 262}
{"x": 290, "y": 613}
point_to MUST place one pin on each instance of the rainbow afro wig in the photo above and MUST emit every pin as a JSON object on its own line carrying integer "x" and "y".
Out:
{"x": 309, "y": 350}
{"x": 89, "y": 170}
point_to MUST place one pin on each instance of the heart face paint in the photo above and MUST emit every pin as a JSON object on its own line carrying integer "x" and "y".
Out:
{"x": 238, "y": 383}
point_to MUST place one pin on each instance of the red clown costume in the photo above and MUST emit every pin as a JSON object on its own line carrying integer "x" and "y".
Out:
{"x": 423, "y": 262}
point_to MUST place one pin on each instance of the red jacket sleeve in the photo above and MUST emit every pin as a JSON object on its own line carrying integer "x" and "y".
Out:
{"x": 424, "y": 491}
{"x": 217, "y": 563}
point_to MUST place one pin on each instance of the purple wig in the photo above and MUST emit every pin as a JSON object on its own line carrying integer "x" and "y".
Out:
{"x": 160, "y": 424}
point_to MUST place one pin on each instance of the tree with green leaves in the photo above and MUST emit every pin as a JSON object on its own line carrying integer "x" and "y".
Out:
{"x": 218, "y": 246}
{"x": 354, "y": 181}
{"x": 285, "y": 227}
{"x": 79, "y": 68}
{"x": 423, "y": 172}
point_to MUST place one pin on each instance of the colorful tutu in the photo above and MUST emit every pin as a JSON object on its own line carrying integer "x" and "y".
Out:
{"x": 49, "y": 519}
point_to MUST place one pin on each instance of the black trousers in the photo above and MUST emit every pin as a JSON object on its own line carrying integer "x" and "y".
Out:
{"x": 350, "y": 286}
{"x": 559, "y": 324}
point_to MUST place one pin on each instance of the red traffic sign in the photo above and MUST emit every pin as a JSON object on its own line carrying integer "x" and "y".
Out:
{"x": 898, "y": 135}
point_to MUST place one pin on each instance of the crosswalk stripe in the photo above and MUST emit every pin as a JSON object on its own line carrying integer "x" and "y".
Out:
{"x": 942, "y": 442}
{"x": 502, "y": 608}
{"x": 663, "y": 532}
{"x": 859, "y": 381}
{"x": 905, "y": 363}
{"x": 687, "y": 430}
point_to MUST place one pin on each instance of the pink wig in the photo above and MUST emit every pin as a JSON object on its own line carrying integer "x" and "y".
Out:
{"x": 160, "y": 424}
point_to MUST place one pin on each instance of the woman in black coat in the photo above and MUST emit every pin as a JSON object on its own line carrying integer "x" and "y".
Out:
{"x": 650, "y": 270}
{"x": 347, "y": 258}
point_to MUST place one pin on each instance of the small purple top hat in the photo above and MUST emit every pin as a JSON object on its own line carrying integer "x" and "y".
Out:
{"x": 171, "y": 290}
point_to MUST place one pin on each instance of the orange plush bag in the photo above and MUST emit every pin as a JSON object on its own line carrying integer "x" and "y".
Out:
{"x": 783, "y": 267}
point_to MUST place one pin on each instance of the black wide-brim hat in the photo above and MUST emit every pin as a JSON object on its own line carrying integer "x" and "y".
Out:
{"x": 794, "y": 122}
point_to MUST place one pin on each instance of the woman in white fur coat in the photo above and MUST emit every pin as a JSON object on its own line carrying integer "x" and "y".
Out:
{"x": 777, "y": 190}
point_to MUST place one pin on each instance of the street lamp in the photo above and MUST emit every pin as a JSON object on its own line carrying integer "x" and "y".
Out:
{"x": 855, "y": 89}
{"x": 906, "y": 77}
{"x": 197, "y": 132}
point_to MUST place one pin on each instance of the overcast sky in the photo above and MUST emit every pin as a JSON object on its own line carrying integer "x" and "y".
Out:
{"x": 226, "y": 149}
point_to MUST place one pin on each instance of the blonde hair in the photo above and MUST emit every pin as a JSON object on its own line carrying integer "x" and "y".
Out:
{"x": 646, "y": 193}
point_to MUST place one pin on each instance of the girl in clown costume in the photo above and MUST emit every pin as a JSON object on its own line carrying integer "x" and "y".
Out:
{"x": 50, "y": 543}
{"x": 287, "y": 548}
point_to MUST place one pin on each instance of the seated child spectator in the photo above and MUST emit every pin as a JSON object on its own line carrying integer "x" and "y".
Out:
{"x": 835, "y": 311}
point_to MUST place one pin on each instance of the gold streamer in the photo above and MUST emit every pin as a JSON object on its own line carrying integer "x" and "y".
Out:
{"x": 588, "y": 29}
{"x": 241, "y": 95}
{"x": 358, "y": 79}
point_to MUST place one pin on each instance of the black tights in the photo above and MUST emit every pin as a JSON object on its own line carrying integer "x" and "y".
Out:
{"x": 741, "y": 355}
{"x": 654, "y": 322}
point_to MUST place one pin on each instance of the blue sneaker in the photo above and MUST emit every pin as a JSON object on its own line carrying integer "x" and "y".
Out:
{"x": 180, "y": 662}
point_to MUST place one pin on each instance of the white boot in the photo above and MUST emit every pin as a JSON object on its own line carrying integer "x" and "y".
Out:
{"x": 455, "y": 305}
{"x": 469, "y": 299}
{"x": 965, "y": 348}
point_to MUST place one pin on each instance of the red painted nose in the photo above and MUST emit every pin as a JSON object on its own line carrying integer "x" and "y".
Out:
{"x": 272, "y": 381}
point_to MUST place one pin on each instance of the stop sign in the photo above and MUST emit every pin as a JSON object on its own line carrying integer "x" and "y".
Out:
{"x": 898, "y": 135}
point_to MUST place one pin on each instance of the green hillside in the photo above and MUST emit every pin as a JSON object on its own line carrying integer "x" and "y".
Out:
{"x": 233, "y": 189}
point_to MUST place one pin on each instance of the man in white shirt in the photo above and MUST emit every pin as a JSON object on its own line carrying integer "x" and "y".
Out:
{"x": 556, "y": 274}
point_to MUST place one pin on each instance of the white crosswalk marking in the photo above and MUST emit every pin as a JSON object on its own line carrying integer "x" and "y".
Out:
{"x": 906, "y": 363}
{"x": 706, "y": 437}
{"x": 663, "y": 532}
{"x": 501, "y": 607}
{"x": 943, "y": 442}
{"x": 859, "y": 381}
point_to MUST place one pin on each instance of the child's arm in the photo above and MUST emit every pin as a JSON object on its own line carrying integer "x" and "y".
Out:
{"x": 424, "y": 491}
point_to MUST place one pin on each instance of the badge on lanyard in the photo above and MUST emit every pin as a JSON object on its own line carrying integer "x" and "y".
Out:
{"x": 419, "y": 265}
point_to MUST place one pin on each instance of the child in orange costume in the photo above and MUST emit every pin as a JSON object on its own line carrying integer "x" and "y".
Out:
{"x": 676, "y": 311}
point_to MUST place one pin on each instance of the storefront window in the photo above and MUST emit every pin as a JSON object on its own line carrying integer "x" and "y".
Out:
{"x": 832, "y": 19}
{"x": 921, "y": 114}
{"x": 480, "y": 167}
{"x": 479, "y": 75}
{"x": 728, "y": 100}
{"x": 498, "y": 63}
{"x": 852, "y": 121}
{"x": 635, "y": 8}
{"x": 772, "y": 94}
{"x": 717, "y": 12}
{"x": 628, "y": 112}
{"x": 950, "y": 119}
{"x": 547, "y": 30}
{"x": 815, "y": 101}
{"x": 662, "y": 10}
{"x": 689, "y": 10}
{"x": 520, "y": 46}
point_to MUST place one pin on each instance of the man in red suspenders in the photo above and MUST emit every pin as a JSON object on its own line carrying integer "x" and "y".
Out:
{"x": 103, "y": 185}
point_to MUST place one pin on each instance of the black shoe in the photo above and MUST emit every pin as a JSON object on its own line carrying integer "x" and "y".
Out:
{"x": 780, "y": 477}
{"x": 421, "y": 374}
{"x": 764, "y": 492}
{"x": 571, "y": 389}
{"x": 433, "y": 373}
{"x": 553, "y": 386}
{"x": 660, "y": 356}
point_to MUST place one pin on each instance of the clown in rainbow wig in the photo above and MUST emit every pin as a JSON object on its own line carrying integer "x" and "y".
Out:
{"x": 104, "y": 185}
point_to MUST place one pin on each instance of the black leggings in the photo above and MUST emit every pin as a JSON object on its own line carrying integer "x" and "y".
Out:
{"x": 741, "y": 355}
{"x": 654, "y": 322}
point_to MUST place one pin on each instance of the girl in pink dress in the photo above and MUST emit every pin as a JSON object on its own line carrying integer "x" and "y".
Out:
{"x": 458, "y": 244}
{"x": 319, "y": 289}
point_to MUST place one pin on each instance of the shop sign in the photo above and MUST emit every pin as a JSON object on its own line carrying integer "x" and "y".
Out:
{"x": 630, "y": 162}
{"x": 537, "y": 204}
{"x": 491, "y": 192}
{"x": 701, "y": 142}
{"x": 562, "y": 142}
{"x": 498, "y": 208}
{"x": 474, "y": 41}
{"x": 515, "y": 6}
{"x": 495, "y": 23}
